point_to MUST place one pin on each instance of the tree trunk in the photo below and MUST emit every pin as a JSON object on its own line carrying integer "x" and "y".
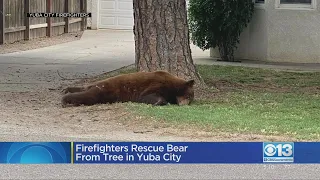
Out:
{"x": 162, "y": 38}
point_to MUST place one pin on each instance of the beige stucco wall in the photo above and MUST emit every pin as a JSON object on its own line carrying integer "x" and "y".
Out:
{"x": 89, "y": 10}
{"x": 281, "y": 35}
{"x": 293, "y": 35}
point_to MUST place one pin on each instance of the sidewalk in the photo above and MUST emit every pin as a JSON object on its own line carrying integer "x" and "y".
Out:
{"x": 301, "y": 67}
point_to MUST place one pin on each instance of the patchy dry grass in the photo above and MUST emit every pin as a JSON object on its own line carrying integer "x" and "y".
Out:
{"x": 241, "y": 100}
{"x": 248, "y": 100}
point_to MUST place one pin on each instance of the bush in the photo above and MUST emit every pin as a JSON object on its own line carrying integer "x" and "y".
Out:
{"x": 219, "y": 23}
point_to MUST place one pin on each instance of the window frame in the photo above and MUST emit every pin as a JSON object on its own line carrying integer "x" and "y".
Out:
{"x": 259, "y": 5}
{"x": 312, "y": 6}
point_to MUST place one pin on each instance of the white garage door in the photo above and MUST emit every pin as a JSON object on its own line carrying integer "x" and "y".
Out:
{"x": 116, "y": 14}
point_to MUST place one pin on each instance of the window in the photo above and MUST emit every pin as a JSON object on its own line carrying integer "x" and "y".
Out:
{"x": 259, "y": 1}
{"x": 308, "y": 2}
{"x": 296, "y": 4}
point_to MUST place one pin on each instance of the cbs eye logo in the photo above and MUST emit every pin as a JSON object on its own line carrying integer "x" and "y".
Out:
{"x": 36, "y": 153}
{"x": 278, "y": 150}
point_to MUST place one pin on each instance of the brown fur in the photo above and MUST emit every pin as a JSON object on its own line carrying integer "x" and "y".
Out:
{"x": 157, "y": 88}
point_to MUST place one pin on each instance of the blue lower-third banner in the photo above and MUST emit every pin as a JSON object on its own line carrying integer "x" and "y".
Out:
{"x": 159, "y": 152}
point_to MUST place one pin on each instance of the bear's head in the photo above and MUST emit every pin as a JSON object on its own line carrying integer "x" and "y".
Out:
{"x": 186, "y": 93}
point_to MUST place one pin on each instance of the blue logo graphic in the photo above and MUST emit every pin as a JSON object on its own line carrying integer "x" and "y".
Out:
{"x": 278, "y": 152}
{"x": 35, "y": 152}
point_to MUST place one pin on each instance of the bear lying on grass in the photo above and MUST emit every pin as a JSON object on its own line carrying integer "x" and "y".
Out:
{"x": 156, "y": 88}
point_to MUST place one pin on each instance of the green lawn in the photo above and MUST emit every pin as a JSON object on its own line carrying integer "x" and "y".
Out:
{"x": 251, "y": 100}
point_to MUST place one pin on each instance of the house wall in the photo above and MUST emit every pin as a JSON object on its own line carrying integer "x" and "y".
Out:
{"x": 258, "y": 35}
{"x": 89, "y": 10}
{"x": 253, "y": 40}
{"x": 280, "y": 35}
{"x": 94, "y": 6}
{"x": 293, "y": 35}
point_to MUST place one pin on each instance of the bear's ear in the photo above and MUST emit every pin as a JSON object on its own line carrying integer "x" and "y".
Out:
{"x": 190, "y": 83}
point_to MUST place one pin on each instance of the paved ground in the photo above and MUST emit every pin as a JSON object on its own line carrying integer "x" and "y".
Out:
{"x": 160, "y": 172}
{"x": 30, "y": 111}
{"x": 297, "y": 67}
{"x": 94, "y": 54}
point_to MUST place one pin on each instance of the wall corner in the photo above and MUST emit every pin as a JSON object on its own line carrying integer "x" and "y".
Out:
{"x": 95, "y": 14}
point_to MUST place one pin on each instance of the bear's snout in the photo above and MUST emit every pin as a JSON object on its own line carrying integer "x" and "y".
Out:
{"x": 183, "y": 101}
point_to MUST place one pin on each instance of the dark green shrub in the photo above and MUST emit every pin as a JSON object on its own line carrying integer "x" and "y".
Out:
{"x": 219, "y": 23}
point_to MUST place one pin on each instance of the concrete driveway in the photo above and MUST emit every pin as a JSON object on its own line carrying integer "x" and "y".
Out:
{"x": 97, "y": 52}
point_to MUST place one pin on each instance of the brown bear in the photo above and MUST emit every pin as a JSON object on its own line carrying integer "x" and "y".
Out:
{"x": 157, "y": 88}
